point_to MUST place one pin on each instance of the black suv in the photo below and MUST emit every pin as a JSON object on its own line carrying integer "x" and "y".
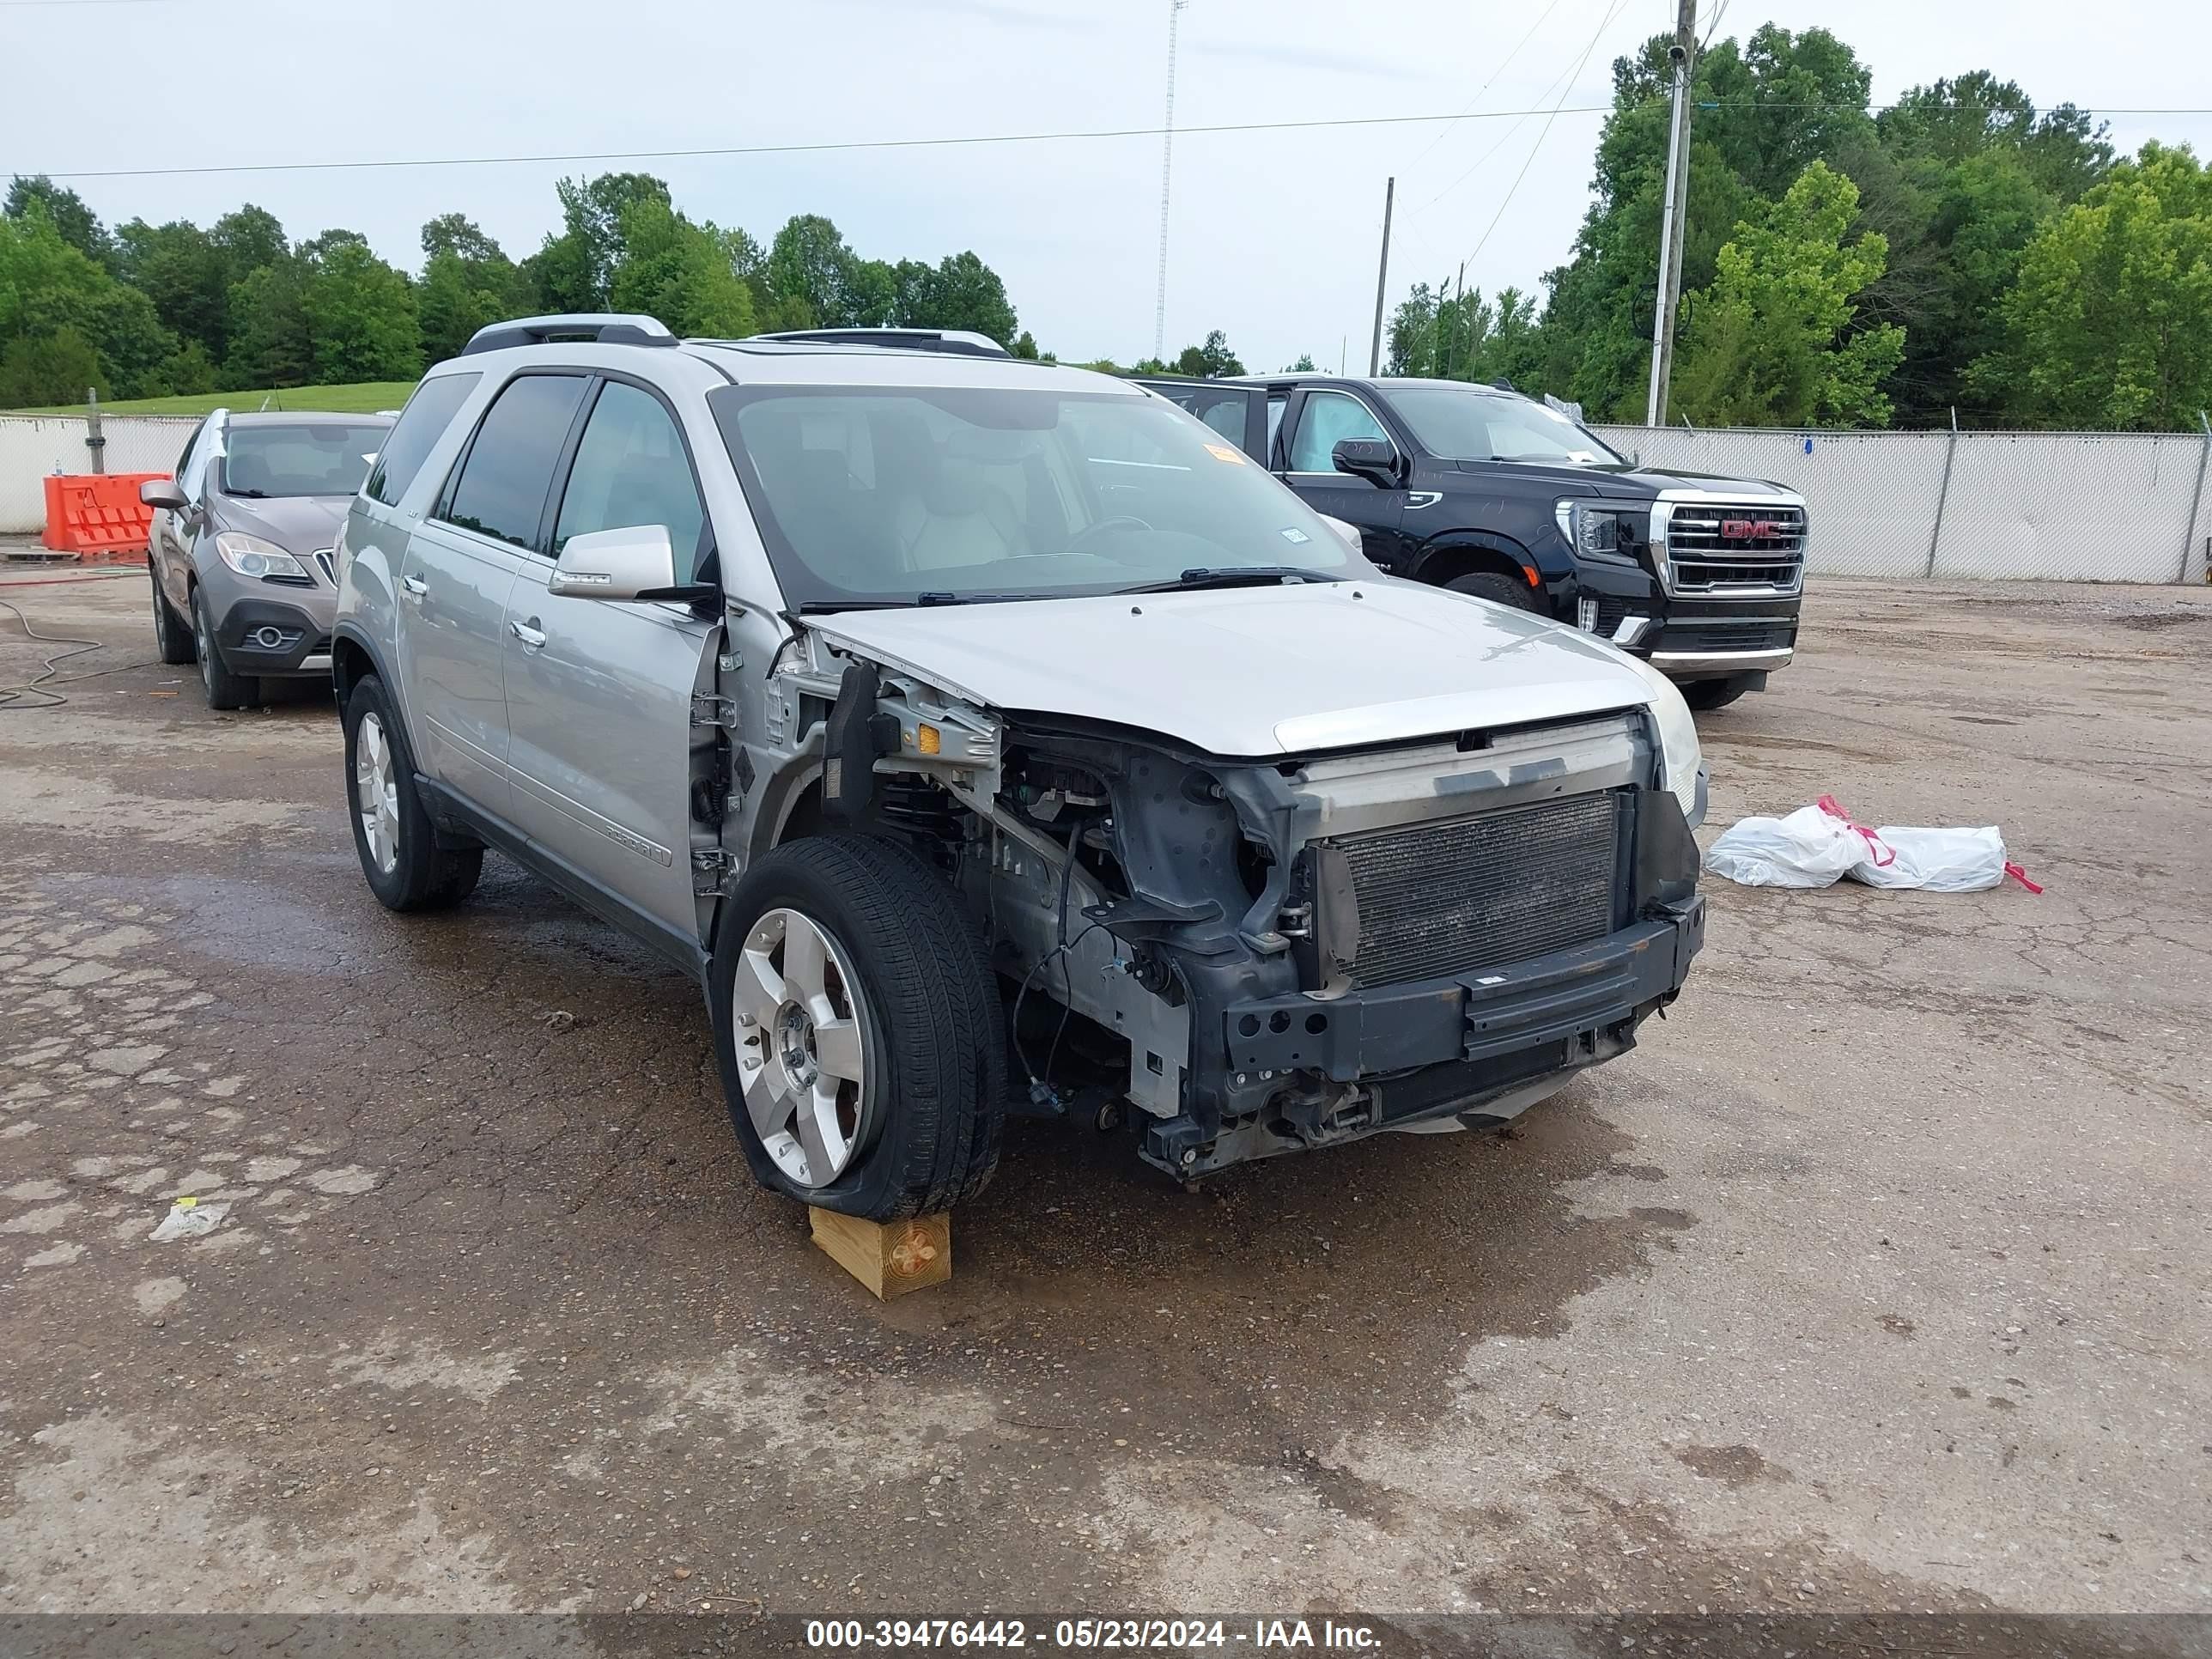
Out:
{"x": 1482, "y": 490}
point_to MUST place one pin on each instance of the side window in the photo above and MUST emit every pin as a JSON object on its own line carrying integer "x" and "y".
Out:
{"x": 192, "y": 470}
{"x": 500, "y": 489}
{"x": 191, "y": 443}
{"x": 631, "y": 469}
{"x": 1277, "y": 402}
{"x": 421, "y": 423}
{"x": 1328, "y": 418}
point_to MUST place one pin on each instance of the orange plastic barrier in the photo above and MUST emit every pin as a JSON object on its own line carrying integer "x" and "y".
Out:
{"x": 98, "y": 512}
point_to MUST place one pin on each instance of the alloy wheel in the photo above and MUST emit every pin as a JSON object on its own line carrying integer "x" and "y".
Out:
{"x": 802, "y": 1048}
{"x": 376, "y": 793}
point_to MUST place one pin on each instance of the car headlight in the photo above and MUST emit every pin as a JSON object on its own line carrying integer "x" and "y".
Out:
{"x": 1594, "y": 531}
{"x": 1679, "y": 757}
{"x": 250, "y": 555}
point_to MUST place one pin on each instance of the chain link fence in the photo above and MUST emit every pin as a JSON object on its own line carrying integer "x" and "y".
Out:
{"x": 32, "y": 446}
{"x": 2120, "y": 506}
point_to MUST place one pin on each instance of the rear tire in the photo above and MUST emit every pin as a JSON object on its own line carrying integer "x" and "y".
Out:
{"x": 406, "y": 866}
{"x": 171, "y": 637}
{"x": 224, "y": 688}
{"x": 1707, "y": 694}
{"x": 847, "y": 985}
{"x": 1499, "y": 588}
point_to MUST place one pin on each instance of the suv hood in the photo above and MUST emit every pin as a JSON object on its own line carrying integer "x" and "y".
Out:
{"x": 298, "y": 523}
{"x": 1257, "y": 671}
{"x": 1634, "y": 484}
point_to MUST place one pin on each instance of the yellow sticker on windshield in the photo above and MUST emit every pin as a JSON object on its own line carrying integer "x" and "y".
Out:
{"x": 1223, "y": 453}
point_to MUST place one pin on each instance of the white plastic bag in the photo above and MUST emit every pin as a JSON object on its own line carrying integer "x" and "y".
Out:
{"x": 1939, "y": 860}
{"x": 1818, "y": 845}
{"x": 1808, "y": 849}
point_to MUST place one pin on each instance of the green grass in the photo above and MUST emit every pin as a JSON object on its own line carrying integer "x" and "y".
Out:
{"x": 365, "y": 398}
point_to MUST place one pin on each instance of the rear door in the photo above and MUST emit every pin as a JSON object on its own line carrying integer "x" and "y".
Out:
{"x": 1319, "y": 418}
{"x": 599, "y": 692}
{"x": 485, "y": 527}
{"x": 1238, "y": 413}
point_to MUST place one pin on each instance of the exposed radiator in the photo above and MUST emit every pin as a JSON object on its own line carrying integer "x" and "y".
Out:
{"x": 1467, "y": 894}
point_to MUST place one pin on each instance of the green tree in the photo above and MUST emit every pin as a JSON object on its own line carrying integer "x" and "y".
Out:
{"x": 47, "y": 287}
{"x": 55, "y": 368}
{"x": 78, "y": 226}
{"x": 961, "y": 292}
{"x": 679, "y": 272}
{"x": 808, "y": 263}
{"x": 271, "y": 346}
{"x": 180, "y": 268}
{"x": 2110, "y": 324}
{"x": 467, "y": 281}
{"x": 1210, "y": 360}
{"x": 1303, "y": 366}
{"x": 1771, "y": 341}
{"x": 250, "y": 238}
{"x": 574, "y": 269}
{"x": 360, "y": 313}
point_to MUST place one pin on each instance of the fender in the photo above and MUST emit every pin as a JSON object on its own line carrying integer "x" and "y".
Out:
{"x": 381, "y": 665}
{"x": 1448, "y": 542}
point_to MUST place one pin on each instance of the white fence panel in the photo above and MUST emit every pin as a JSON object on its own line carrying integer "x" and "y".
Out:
{"x": 2069, "y": 506}
{"x": 1871, "y": 495}
{"x": 33, "y": 446}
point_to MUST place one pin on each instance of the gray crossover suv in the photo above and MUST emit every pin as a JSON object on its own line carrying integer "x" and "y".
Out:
{"x": 240, "y": 545}
{"x": 986, "y": 736}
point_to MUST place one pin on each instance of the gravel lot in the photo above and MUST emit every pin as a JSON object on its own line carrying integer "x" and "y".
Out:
{"x": 1877, "y": 1278}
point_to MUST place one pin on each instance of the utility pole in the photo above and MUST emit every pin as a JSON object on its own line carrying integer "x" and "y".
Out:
{"x": 1167, "y": 171}
{"x": 1673, "y": 212}
{"x": 1382, "y": 278}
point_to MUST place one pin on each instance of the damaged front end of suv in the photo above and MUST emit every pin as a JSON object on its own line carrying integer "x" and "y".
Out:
{"x": 1237, "y": 956}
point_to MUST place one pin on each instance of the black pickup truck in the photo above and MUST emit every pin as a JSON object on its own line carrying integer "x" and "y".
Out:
{"x": 1482, "y": 490}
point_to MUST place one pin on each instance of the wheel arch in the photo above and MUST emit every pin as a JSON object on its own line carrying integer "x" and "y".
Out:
{"x": 1462, "y": 553}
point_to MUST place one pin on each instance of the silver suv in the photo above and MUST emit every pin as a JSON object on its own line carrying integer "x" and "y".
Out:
{"x": 240, "y": 545}
{"x": 985, "y": 737}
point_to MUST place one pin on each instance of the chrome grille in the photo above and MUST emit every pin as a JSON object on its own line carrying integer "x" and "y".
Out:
{"x": 1467, "y": 894}
{"x": 1713, "y": 547}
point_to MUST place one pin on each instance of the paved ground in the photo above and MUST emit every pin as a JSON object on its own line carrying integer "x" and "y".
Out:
{"x": 1877, "y": 1278}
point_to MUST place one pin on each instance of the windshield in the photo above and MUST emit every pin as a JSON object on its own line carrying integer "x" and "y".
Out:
{"x": 321, "y": 459}
{"x": 1462, "y": 424}
{"x": 896, "y": 495}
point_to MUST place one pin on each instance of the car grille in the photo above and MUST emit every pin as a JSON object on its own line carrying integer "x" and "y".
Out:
{"x": 1713, "y": 548}
{"x": 323, "y": 563}
{"x": 1467, "y": 894}
{"x": 1755, "y": 634}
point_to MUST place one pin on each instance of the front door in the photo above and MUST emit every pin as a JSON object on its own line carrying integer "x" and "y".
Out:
{"x": 598, "y": 692}
{"x": 1321, "y": 420}
{"x": 484, "y": 529}
{"x": 168, "y": 537}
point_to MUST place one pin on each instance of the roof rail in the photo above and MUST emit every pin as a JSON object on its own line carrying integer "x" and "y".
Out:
{"x": 959, "y": 342}
{"x": 604, "y": 327}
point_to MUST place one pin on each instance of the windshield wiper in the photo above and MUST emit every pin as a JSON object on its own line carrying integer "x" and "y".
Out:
{"x": 251, "y": 495}
{"x": 822, "y": 607}
{"x": 1233, "y": 575}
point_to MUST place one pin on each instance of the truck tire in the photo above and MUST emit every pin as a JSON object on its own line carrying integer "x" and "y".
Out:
{"x": 1498, "y": 589}
{"x": 858, "y": 1031}
{"x": 406, "y": 866}
{"x": 171, "y": 638}
{"x": 224, "y": 688}
{"x": 1707, "y": 694}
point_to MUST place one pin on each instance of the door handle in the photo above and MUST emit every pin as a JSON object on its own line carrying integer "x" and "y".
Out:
{"x": 416, "y": 586}
{"x": 529, "y": 633}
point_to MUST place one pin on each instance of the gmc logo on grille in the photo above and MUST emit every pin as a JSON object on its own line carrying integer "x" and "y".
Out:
{"x": 1750, "y": 530}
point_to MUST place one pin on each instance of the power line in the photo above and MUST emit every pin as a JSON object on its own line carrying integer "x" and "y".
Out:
{"x": 1612, "y": 12}
{"x": 1505, "y": 64}
{"x": 975, "y": 139}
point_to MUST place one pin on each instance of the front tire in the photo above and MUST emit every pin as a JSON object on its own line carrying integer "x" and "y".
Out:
{"x": 171, "y": 637}
{"x": 406, "y": 866}
{"x": 1704, "y": 696}
{"x": 858, "y": 1031}
{"x": 1498, "y": 589}
{"x": 224, "y": 688}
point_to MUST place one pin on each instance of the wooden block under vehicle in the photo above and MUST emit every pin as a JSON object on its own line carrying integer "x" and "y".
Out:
{"x": 890, "y": 1257}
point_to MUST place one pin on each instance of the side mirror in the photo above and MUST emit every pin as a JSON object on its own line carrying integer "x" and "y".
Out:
{"x": 635, "y": 563}
{"x": 1372, "y": 459}
{"x": 162, "y": 493}
{"x": 1346, "y": 533}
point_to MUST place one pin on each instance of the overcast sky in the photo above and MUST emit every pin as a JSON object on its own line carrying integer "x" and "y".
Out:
{"x": 1273, "y": 235}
